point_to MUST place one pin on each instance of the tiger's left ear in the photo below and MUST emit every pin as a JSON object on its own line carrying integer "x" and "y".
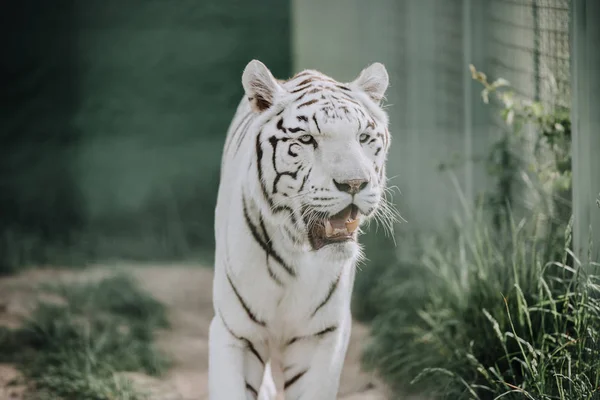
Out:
{"x": 260, "y": 86}
{"x": 374, "y": 81}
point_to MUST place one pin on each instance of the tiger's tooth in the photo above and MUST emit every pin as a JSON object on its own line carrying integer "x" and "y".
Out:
{"x": 328, "y": 229}
{"x": 352, "y": 225}
{"x": 340, "y": 231}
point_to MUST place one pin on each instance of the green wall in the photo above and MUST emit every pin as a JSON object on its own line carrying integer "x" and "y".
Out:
{"x": 118, "y": 111}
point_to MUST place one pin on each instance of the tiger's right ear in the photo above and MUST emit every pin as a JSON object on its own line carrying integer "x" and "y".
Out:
{"x": 260, "y": 86}
{"x": 374, "y": 81}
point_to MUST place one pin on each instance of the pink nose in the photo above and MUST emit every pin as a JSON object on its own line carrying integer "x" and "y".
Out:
{"x": 351, "y": 186}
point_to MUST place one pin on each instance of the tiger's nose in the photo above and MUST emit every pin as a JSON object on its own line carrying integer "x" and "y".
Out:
{"x": 351, "y": 186}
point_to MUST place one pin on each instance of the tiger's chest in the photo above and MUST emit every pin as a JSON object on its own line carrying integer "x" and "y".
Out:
{"x": 306, "y": 307}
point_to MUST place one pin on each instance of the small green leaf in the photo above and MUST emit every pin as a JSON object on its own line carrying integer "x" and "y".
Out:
{"x": 485, "y": 96}
{"x": 500, "y": 82}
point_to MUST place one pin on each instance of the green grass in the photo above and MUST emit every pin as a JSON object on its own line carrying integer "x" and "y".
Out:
{"x": 73, "y": 351}
{"x": 497, "y": 319}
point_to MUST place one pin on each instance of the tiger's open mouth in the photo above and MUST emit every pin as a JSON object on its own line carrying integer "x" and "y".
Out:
{"x": 340, "y": 227}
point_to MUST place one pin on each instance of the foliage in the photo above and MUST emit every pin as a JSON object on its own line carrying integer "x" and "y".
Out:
{"x": 536, "y": 138}
{"x": 497, "y": 320}
{"x": 74, "y": 348}
{"x": 553, "y": 127}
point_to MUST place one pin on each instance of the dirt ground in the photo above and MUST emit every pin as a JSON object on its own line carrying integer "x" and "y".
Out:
{"x": 187, "y": 293}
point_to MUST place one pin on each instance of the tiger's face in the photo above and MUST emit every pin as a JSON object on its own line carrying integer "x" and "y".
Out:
{"x": 321, "y": 151}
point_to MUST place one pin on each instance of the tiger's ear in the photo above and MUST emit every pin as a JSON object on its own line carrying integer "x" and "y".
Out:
{"x": 260, "y": 86}
{"x": 374, "y": 81}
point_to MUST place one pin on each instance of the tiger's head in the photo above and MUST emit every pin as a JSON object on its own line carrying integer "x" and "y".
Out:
{"x": 321, "y": 148}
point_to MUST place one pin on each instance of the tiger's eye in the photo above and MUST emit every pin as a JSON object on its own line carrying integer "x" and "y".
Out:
{"x": 363, "y": 137}
{"x": 306, "y": 139}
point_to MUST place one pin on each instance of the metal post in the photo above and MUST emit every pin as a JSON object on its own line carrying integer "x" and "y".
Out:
{"x": 476, "y": 113}
{"x": 585, "y": 117}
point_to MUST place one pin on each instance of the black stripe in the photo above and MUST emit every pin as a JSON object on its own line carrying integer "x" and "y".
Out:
{"x": 266, "y": 245}
{"x": 272, "y": 273}
{"x": 261, "y": 241}
{"x": 237, "y": 130}
{"x": 308, "y": 103}
{"x": 293, "y": 236}
{"x": 294, "y": 379}
{"x": 323, "y": 198}
{"x": 304, "y": 180}
{"x": 327, "y": 330}
{"x": 251, "y": 389}
{"x": 259, "y": 154}
{"x": 319, "y": 334}
{"x": 249, "y": 312}
{"x": 263, "y": 228}
{"x": 274, "y": 142}
{"x": 316, "y": 123}
{"x": 280, "y": 125}
{"x": 242, "y": 134}
{"x": 332, "y": 289}
{"x": 351, "y": 100}
{"x": 307, "y": 81}
{"x": 300, "y": 88}
{"x": 300, "y": 97}
{"x": 252, "y": 349}
{"x": 247, "y": 342}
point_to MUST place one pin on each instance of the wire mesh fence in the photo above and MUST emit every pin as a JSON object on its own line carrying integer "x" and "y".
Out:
{"x": 529, "y": 45}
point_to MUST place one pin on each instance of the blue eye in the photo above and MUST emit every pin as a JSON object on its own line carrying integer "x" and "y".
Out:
{"x": 363, "y": 137}
{"x": 306, "y": 139}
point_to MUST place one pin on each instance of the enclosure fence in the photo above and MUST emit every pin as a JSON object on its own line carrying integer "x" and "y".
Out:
{"x": 529, "y": 46}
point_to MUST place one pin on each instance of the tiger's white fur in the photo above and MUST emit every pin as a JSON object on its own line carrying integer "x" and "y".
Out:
{"x": 276, "y": 297}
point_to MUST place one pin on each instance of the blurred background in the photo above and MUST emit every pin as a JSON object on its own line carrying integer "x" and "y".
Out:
{"x": 113, "y": 118}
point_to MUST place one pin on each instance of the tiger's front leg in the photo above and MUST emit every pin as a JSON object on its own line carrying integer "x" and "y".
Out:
{"x": 313, "y": 364}
{"x": 235, "y": 366}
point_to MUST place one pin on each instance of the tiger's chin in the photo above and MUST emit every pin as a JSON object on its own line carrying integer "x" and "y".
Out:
{"x": 336, "y": 232}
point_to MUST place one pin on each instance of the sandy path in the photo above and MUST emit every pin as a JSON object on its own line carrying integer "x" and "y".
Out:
{"x": 187, "y": 293}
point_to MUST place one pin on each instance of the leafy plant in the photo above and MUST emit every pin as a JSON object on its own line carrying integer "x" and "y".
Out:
{"x": 497, "y": 320}
{"x": 552, "y": 126}
{"x": 76, "y": 349}
{"x": 536, "y": 139}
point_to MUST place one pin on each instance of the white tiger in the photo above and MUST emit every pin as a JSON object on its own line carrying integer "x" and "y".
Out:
{"x": 303, "y": 166}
